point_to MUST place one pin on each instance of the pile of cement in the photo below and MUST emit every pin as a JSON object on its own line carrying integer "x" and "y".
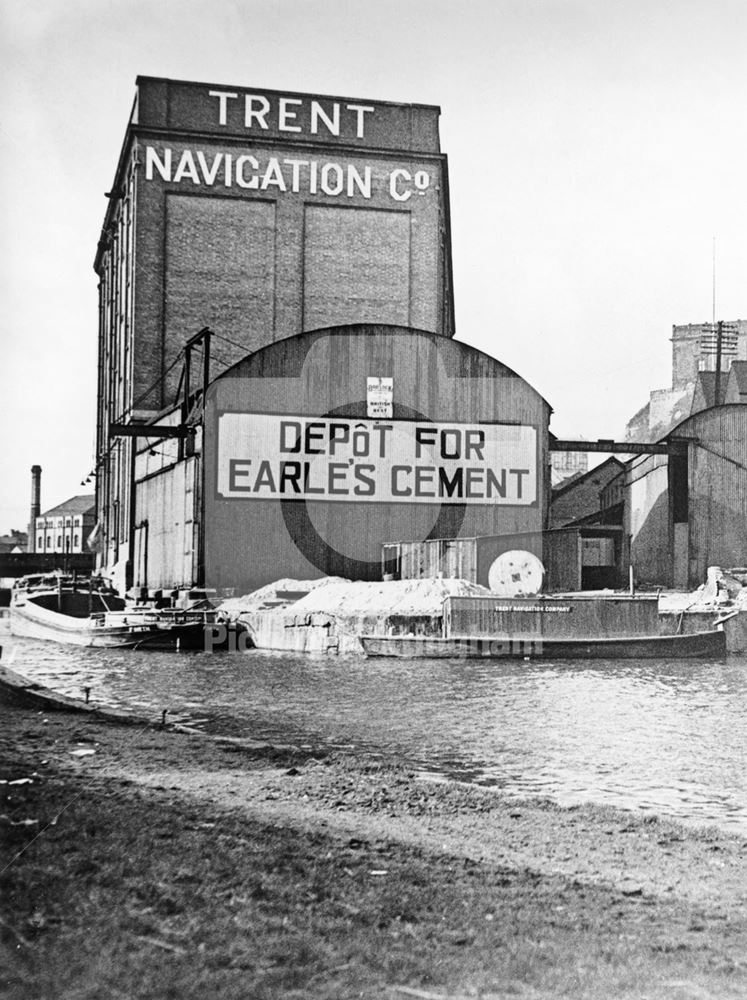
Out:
{"x": 333, "y": 595}
{"x": 271, "y": 594}
{"x": 333, "y": 613}
{"x": 384, "y": 599}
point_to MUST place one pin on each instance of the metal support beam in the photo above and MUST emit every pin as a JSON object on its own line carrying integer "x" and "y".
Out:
{"x": 151, "y": 430}
{"x": 675, "y": 446}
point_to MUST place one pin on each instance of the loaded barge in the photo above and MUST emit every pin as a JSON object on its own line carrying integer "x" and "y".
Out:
{"x": 450, "y": 617}
{"x": 603, "y": 627}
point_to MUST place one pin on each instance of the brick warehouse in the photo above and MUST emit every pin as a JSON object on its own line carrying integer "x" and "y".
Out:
{"x": 264, "y": 216}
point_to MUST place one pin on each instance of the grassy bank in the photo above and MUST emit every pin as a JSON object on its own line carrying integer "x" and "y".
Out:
{"x": 164, "y": 865}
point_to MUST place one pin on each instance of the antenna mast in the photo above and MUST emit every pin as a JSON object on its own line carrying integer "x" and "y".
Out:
{"x": 713, "y": 317}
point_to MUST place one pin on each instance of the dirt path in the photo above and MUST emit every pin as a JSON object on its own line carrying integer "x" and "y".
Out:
{"x": 169, "y": 865}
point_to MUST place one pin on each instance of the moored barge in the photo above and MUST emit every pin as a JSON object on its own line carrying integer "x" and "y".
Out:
{"x": 578, "y": 627}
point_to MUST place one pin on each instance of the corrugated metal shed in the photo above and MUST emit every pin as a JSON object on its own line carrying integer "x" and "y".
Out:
{"x": 252, "y": 541}
{"x": 717, "y": 489}
{"x": 686, "y": 513}
{"x": 575, "y": 558}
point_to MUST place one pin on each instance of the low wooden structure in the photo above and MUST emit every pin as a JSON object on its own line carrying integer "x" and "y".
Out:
{"x": 581, "y": 557}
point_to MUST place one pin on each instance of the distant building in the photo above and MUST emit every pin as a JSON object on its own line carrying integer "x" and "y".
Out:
{"x": 65, "y": 527}
{"x": 14, "y": 542}
{"x": 695, "y": 350}
{"x": 581, "y": 497}
{"x": 664, "y": 409}
{"x": 567, "y": 464}
{"x": 707, "y": 385}
{"x": 736, "y": 385}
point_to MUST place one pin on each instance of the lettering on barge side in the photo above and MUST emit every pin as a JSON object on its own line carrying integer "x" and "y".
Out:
{"x": 532, "y": 608}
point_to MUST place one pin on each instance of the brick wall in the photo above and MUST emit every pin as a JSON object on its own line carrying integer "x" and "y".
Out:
{"x": 261, "y": 265}
{"x": 319, "y": 211}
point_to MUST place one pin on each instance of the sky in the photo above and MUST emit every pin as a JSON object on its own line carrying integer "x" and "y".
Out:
{"x": 596, "y": 151}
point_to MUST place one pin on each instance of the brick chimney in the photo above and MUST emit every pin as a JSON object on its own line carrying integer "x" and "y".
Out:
{"x": 35, "y": 505}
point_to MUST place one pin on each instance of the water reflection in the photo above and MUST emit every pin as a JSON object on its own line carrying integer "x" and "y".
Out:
{"x": 665, "y": 737}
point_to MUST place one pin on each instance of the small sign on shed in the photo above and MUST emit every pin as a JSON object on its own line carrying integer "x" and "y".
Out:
{"x": 379, "y": 396}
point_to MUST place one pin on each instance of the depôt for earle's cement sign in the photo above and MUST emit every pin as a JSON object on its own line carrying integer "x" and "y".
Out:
{"x": 278, "y": 457}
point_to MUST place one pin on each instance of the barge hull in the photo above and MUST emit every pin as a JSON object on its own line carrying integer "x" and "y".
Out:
{"x": 75, "y": 632}
{"x": 698, "y": 645}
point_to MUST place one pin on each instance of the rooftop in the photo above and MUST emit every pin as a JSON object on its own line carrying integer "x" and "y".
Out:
{"x": 738, "y": 373}
{"x": 75, "y": 505}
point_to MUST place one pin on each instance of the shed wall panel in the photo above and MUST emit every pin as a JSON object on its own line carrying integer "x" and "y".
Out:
{"x": 166, "y": 503}
{"x": 648, "y": 520}
{"x": 717, "y": 490}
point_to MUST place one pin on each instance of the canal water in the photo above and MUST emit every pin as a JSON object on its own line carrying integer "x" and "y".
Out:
{"x": 661, "y": 737}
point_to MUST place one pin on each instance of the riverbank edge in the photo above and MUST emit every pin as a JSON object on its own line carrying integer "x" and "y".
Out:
{"x": 385, "y": 883}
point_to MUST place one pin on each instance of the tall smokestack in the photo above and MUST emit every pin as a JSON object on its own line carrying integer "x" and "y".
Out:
{"x": 36, "y": 473}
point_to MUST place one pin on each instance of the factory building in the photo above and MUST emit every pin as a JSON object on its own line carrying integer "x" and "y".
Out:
{"x": 63, "y": 529}
{"x": 66, "y": 527}
{"x": 697, "y": 347}
{"x": 687, "y": 511}
{"x": 703, "y": 355}
{"x": 276, "y": 292}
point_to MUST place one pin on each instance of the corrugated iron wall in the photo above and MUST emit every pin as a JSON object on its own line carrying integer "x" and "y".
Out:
{"x": 717, "y": 488}
{"x": 254, "y": 541}
{"x": 448, "y": 557}
{"x": 647, "y": 519}
{"x": 167, "y": 527}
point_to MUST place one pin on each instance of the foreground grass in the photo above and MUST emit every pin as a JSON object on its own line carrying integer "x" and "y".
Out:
{"x": 118, "y": 888}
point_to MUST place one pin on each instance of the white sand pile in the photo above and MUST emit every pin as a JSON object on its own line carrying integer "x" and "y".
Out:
{"x": 723, "y": 588}
{"x": 395, "y": 597}
{"x": 345, "y": 598}
{"x": 269, "y": 593}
